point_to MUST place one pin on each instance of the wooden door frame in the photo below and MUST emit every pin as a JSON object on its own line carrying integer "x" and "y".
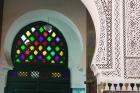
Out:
{"x": 90, "y": 47}
{"x": 1, "y": 18}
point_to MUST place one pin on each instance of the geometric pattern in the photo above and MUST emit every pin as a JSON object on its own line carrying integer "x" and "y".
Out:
{"x": 34, "y": 74}
{"x": 124, "y": 59}
{"x": 132, "y": 69}
{"x": 116, "y": 45}
{"x": 104, "y": 51}
{"x": 22, "y": 74}
{"x": 56, "y": 75}
{"x": 101, "y": 57}
{"x": 131, "y": 38}
{"x": 39, "y": 43}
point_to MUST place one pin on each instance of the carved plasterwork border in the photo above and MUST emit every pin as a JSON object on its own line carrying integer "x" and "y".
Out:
{"x": 104, "y": 52}
{"x": 131, "y": 25}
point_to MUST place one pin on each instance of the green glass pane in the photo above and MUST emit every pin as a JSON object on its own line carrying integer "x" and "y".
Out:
{"x": 49, "y": 39}
{"x": 31, "y": 57}
{"x": 18, "y": 60}
{"x": 41, "y": 29}
{"x": 48, "y": 58}
{"x": 61, "y": 62}
{"x": 48, "y": 48}
{"x": 57, "y": 48}
{"x": 16, "y": 55}
{"x": 16, "y": 47}
{"x": 23, "y": 47}
{"x": 52, "y": 53}
{"x": 32, "y": 38}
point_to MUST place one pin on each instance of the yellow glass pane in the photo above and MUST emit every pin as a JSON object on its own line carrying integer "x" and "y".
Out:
{"x": 35, "y": 52}
{"x": 18, "y": 51}
{"x": 61, "y": 53}
{"x": 32, "y": 47}
{"x": 40, "y": 48}
{"x": 53, "y": 34}
{"x": 44, "y": 53}
{"x": 52, "y": 61}
{"x": 28, "y": 33}
{"x": 59, "y": 75}
{"x": 26, "y": 60}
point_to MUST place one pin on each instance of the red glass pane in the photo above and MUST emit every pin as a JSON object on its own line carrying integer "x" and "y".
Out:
{"x": 44, "y": 43}
{"x": 27, "y": 52}
{"x": 53, "y": 44}
{"x": 36, "y": 34}
{"x": 35, "y": 60}
{"x": 45, "y": 34}
{"x": 19, "y": 42}
{"x": 36, "y": 43}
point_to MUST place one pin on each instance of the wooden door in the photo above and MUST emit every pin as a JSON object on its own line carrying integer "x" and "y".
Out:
{"x": 90, "y": 82}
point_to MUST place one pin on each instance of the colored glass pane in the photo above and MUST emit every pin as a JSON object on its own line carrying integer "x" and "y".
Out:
{"x": 40, "y": 47}
{"x": 41, "y": 38}
{"x": 19, "y": 42}
{"x": 23, "y": 38}
{"x": 27, "y": 52}
{"x": 52, "y": 61}
{"x": 35, "y": 52}
{"x": 32, "y": 38}
{"x": 23, "y": 47}
{"x": 39, "y": 57}
{"x": 56, "y": 58}
{"x": 26, "y": 60}
{"x": 22, "y": 57}
{"x": 48, "y": 28}
{"x": 31, "y": 57}
{"x": 53, "y": 34}
{"x": 35, "y": 60}
{"x": 32, "y": 47}
{"x": 57, "y": 48}
{"x": 49, "y": 48}
{"x": 61, "y": 53}
{"x": 18, "y": 51}
{"x": 36, "y": 34}
{"x": 53, "y": 44}
{"x": 27, "y": 42}
{"x": 41, "y": 29}
{"x": 28, "y": 33}
{"x": 37, "y": 26}
{"x": 44, "y": 53}
{"x": 45, "y": 34}
{"x": 18, "y": 60}
{"x": 57, "y": 39}
{"x": 49, "y": 39}
{"x": 39, "y": 42}
{"x": 44, "y": 43}
{"x": 61, "y": 62}
{"x": 52, "y": 53}
{"x": 33, "y": 29}
{"x": 36, "y": 43}
{"x": 48, "y": 58}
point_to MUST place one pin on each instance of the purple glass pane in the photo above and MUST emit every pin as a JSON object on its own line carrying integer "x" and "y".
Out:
{"x": 57, "y": 39}
{"x": 41, "y": 38}
{"x": 39, "y": 57}
{"x": 12, "y": 74}
{"x": 22, "y": 57}
{"x": 56, "y": 58}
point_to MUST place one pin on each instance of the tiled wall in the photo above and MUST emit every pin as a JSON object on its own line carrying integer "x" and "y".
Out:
{"x": 78, "y": 90}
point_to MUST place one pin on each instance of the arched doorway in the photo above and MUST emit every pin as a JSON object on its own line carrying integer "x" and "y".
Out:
{"x": 66, "y": 26}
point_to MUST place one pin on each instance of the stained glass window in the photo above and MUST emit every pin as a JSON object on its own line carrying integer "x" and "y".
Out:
{"x": 40, "y": 43}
